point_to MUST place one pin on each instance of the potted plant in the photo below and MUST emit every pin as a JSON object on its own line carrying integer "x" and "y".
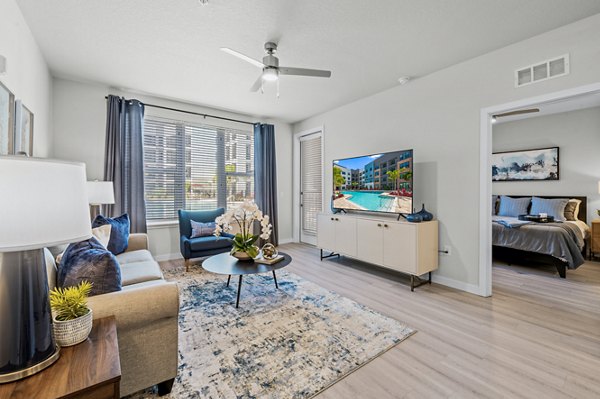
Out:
{"x": 244, "y": 216}
{"x": 72, "y": 319}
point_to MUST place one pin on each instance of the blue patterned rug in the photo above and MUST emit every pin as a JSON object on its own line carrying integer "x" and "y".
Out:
{"x": 291, "y": 342}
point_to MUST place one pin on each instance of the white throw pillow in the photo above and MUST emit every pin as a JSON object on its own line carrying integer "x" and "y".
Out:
{"x": 102, "y": 234}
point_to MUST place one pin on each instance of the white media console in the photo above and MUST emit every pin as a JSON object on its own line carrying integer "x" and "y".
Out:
{"x": 410, "y": 248}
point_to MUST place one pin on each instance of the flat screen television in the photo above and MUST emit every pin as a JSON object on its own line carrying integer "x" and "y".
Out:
{"x": 375, "y": 183}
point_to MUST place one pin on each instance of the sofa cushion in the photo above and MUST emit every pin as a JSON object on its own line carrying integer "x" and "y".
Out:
{"x": 208, "y": 243}
{"x": 138, "y": 267}
{"x": 119, "y": 233}
{"x": 89, "y": 260}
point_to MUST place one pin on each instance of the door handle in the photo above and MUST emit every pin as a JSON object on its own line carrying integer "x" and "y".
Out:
{"x": 385, "y": 225}
{"x": 378, "y": 224}
{"x": 331, "y": 218}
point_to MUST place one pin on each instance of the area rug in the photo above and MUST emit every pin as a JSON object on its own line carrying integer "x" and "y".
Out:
{"x": 291, "y": 342}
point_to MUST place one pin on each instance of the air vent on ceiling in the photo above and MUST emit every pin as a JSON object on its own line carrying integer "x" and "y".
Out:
{"x": 544, "y": 70}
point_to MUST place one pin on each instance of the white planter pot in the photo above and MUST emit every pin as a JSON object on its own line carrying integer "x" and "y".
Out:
{"x": 72, "y": 332}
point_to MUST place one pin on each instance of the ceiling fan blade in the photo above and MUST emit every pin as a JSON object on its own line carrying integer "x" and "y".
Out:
{"x": 518, "y": 112}
{"x": 241, "y": 56}
{"x": 258, "y": 84}
{"x": 319, "y": 73}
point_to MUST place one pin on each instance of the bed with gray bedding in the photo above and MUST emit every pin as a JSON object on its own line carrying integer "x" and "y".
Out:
{"x": 563, "y": 241}
{"x": 561, "y": 244}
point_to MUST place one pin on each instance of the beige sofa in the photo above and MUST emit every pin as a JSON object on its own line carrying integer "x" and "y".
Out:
{"x": 146, "y": 311}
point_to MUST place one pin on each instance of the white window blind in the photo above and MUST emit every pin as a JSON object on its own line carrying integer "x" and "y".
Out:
{"x": 311, "y": 177}
{"x": 195, "y": 167}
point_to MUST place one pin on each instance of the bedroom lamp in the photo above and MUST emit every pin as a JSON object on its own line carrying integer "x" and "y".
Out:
{"x": 99, "y": 193}
{"x": 42, "y": 203}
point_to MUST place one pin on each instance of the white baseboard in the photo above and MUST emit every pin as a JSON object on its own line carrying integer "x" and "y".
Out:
{"x": 459, "y": 285}
{"x": 285, "y": 241}
{"x": 164, "y": 257}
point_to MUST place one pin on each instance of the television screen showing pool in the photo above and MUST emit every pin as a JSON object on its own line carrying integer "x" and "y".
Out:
{"x": 377, "y": 183}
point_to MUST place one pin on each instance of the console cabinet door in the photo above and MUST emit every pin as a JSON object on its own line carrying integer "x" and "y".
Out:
{"x": 400, "y": 247}
{"x": 326, "y": 232}
{"x": 369, "y": 235}
{"x": 345, "y": 235}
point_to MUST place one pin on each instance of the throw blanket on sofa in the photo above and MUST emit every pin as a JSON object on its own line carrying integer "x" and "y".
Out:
{"x": 563, "y": 241}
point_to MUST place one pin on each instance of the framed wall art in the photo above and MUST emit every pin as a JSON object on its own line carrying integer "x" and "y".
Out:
{"x": 525, "y": 165}
{"x": 7, "y": 123}
{"x": 23, "y": 142}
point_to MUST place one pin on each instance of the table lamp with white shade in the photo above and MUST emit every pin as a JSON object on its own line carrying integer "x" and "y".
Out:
{"x": 99, "y": 193}
{"x": 42, "y": 203}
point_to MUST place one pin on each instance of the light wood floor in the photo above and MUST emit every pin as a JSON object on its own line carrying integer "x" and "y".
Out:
{"x": 538, "y": 336}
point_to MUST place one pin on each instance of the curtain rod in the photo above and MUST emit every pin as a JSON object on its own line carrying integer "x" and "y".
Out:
{"x": 196, "y": 113}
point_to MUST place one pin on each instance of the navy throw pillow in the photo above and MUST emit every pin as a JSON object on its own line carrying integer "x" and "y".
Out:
{"x": 119, "y": 233}
{"x": 89, "y": 260}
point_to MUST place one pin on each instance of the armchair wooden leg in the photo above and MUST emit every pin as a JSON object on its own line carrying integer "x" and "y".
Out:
{"x": 187, "y": 265}
{"x": 165, "y": 387}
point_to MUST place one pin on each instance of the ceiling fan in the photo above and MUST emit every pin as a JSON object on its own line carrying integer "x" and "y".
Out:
{"x": 271, "y": 69}
{"x": 512, "y": 113}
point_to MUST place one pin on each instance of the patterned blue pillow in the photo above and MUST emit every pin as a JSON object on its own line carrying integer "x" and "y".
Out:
{"x": 200, "y": 229}
{"x": 513, "y": 207}
{"x": 119, "y": 233}
{"x": 553, "y": 207}
{"x": 89, "y": 260}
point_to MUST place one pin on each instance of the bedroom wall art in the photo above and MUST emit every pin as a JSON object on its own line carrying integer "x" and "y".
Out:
{"x": 526, "y": 165}
{"x": 7, "y": 110}
{"x": 23, "y": 142}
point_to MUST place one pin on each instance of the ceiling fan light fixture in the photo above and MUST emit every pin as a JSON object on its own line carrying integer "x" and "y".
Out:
{"x": 270, "y": 74}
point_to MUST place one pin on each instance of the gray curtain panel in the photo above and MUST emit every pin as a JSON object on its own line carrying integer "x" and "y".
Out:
{"x": 265, "y": 174}
{"x": 124, "y": 159}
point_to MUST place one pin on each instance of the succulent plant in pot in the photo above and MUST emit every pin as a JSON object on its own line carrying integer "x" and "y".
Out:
{"x": 72, "y": 319}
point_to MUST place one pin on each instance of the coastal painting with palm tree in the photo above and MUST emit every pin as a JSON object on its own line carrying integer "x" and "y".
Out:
{"x": 379, "y": 182}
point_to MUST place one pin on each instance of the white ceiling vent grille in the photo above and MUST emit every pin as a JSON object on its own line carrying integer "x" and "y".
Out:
{"x": 544, "y": 70}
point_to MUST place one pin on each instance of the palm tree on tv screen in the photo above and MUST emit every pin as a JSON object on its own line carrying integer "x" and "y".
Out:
{"x": 338, "y": 179}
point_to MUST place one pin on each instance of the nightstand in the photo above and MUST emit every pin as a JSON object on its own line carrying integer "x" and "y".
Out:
{"x": 89, "y": 370}
{"x": 595, "y": 239}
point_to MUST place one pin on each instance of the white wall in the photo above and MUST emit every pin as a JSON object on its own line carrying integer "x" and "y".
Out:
{"x": 27, "y": 73}
{"x": 80, "y": 127}
{"x": 576, "y": 133}
{"x": 439, "y": 116}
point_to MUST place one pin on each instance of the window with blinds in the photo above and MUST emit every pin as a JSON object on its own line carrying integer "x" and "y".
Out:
{"x": 195, "y": 167}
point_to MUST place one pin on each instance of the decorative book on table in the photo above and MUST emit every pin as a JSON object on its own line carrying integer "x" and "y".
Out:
{"x": 269, "y": 261}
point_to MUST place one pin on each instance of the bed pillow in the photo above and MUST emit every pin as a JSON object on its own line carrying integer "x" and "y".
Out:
{"x": 119, "y": 232}
{"x": 553, "y": 207}
{"x": 89, "y": 260}
{"x": 572, "y": 209}
{"x": 513, "y": 207}
{"x": 494, "y": 204}
{"x": 200, "y": 229}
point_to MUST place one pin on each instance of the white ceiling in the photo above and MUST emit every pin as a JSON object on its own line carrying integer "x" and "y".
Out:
{"x": 171, "y": 48}
{"x": 556, "y": 107}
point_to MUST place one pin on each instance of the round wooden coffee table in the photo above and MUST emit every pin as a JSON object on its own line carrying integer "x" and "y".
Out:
{"x": 227, "y": 264}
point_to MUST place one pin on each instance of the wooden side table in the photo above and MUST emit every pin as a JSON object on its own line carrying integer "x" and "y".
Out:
{"x": 595, "y": 239}
{"x": 91, "y": 369}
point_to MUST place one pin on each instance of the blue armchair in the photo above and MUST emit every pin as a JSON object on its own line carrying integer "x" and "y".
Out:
{"x": 200, "y": 246}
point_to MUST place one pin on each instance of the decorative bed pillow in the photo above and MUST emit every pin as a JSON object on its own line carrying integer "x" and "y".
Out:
{"x": 119, "y": 232}
{"x": 202, "y": 229}
{"x": 572, "y": 209}
{"x": 513, "y": 207}
{"x": 89, "y": 260}
{"x": 552, "y": 207}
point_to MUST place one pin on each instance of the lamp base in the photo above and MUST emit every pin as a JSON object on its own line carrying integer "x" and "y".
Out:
{"x": 17, "y": 375}
{"x": 26, "y": 340}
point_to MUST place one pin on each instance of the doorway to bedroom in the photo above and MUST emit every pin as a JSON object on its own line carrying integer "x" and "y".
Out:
{"x": 541, "y": 191}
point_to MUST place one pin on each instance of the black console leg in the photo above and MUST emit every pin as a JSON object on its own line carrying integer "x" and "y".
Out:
{"x": 275, "y": 278}
{"x": 228, "y": 279}
{"x": 165, "y": 387}
{"x": 237, "y": 302}
{"x": 429, "y": 277}
{"x": 412, "y": 283}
